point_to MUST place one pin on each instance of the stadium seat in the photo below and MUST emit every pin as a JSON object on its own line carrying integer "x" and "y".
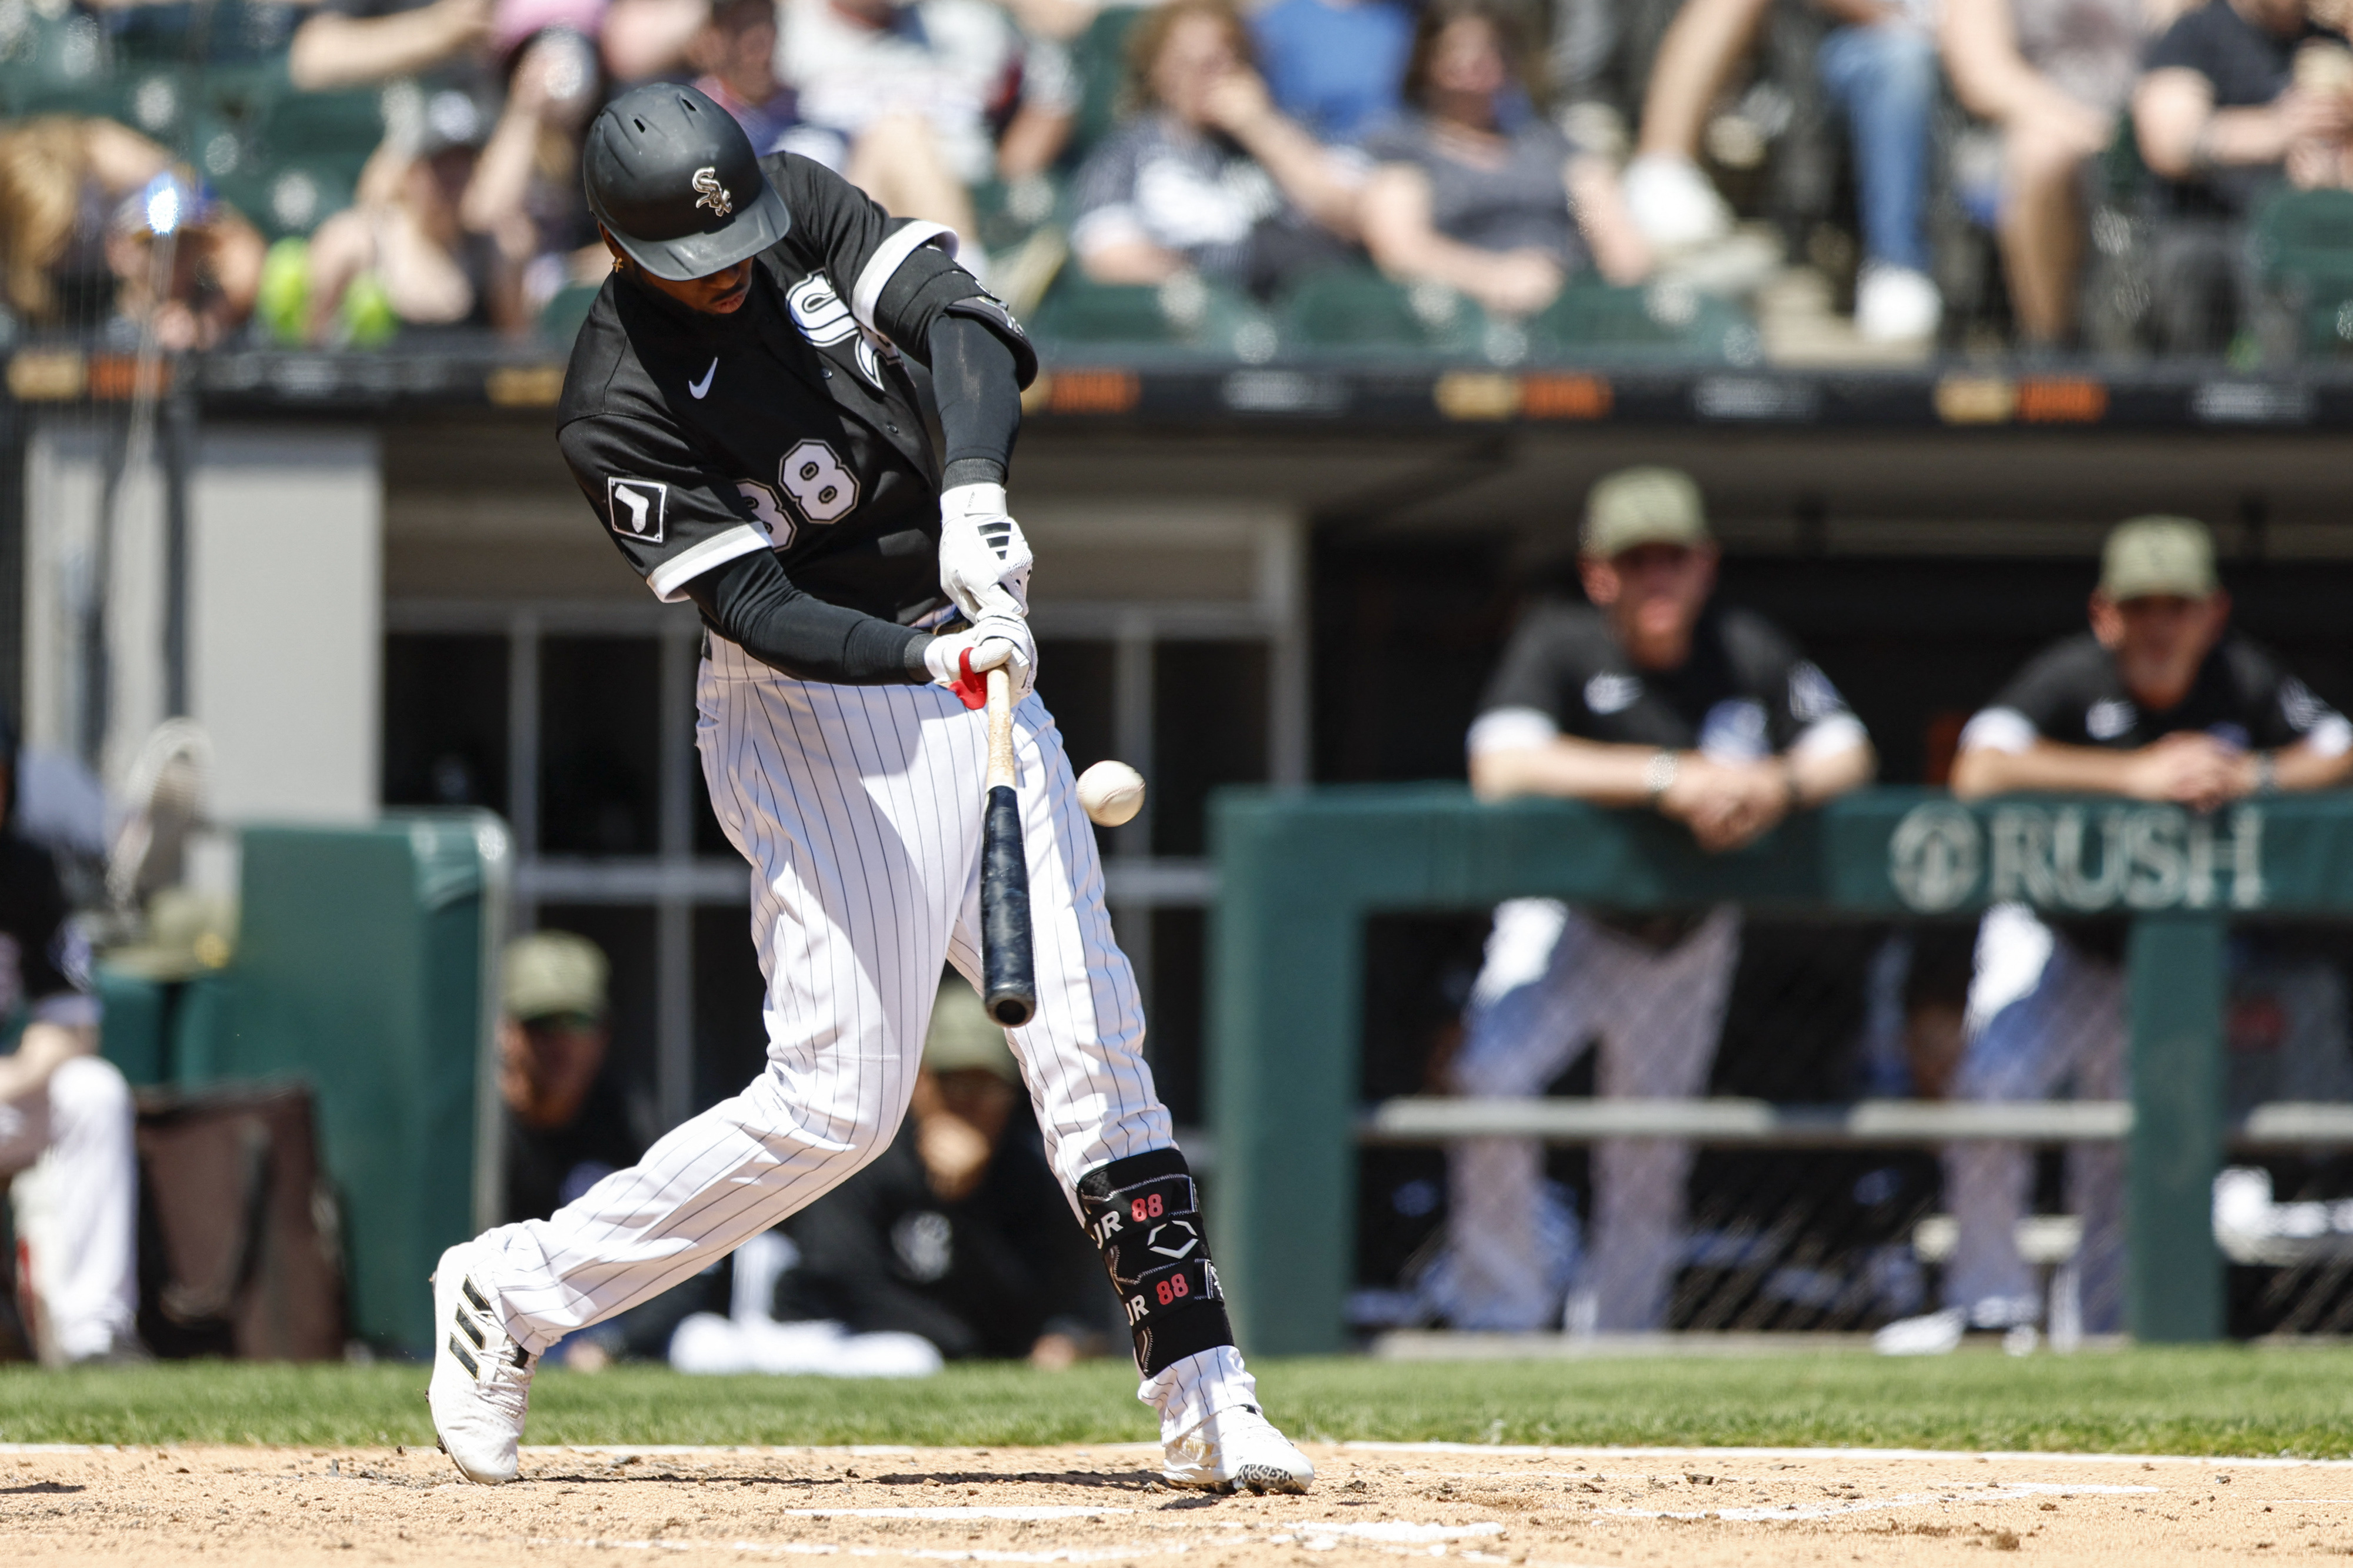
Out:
{"x": 58, "y": 64}
{"x": 560, "y": 319}
{"x": 1598, "y": 319}
{"x": 1099, "y": 59}
{"x": 1359, "y": 309}
{"x": 1184, "y": 313}
{"x": 2302, "y": 244}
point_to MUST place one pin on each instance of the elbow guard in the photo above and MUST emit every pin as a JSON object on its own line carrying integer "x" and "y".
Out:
{"x": 929, "y": 283}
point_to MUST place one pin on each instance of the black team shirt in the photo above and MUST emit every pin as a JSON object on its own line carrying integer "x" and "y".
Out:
{"x": 2071, "y": 694}
{"x": 1744, "y": 693}
{"x": 793, "y": 425}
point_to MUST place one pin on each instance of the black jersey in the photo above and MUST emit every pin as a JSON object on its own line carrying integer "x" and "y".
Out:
{"x": 44, "y": 963}
{"x": 792, "y": 424}
{"x": 2071, "y": 693}
{"x": 1745, "y": 692}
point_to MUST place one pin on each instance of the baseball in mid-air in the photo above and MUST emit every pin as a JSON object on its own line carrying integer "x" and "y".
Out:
{"x": 1112, "y": 792}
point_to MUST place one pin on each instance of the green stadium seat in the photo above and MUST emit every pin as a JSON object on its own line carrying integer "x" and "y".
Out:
{"x": 61, "y": 64}
{"x": 560, "y": 319}
{"x": 339, "y": 128}
{"x": 1359, "y": 309}
{"x": 1187, "y": 314}
{"x": 1098, "y": 58}
{"x": 2302, "y": 242}
{"x": 1599, "y": 320}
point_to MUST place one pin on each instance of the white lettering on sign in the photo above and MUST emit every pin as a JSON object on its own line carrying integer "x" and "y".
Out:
{"x": 2078, "y": 858}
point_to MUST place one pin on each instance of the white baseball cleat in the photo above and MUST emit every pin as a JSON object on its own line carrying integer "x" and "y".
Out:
{"x": 481, "y": 1378}
{"x": 1234, "y": 1448}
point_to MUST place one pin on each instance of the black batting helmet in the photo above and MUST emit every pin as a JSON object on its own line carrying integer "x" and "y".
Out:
{"x": 674, "y": 180}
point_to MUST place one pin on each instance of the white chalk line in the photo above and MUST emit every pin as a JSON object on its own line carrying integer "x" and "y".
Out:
{"x": 2010, "y": 1492}
{"x": 1516, "y": 1450}
{"x": 1519, "y": 1450}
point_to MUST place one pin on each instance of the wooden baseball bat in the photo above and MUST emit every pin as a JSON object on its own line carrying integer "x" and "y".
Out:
{"x": 1007, "y": 966}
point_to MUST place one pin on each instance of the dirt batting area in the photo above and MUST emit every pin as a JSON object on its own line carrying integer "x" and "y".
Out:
{"x": 1372, "y": 1503}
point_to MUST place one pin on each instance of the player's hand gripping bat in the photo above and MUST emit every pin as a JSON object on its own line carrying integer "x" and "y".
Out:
{"x": 1007, "y": 971}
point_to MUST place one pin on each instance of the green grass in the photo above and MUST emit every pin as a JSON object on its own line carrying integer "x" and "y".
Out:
{"x": 2220, "y": 1402}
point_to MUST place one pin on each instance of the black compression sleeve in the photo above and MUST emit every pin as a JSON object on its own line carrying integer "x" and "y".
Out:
{"x": 751, "y": 603}
{"x": 977, "y": 381}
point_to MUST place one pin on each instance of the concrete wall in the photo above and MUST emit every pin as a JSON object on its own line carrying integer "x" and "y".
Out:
{"x": 285, "y": 618}
{"x": 79, "y": 563}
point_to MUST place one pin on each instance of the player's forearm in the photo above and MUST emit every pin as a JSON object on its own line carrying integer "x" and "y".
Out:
{"x": 751, "y": 603}
{"x": 1831, "y": 771}
{"x": 40, "y": 1051}
{"x": 2304, "y": 768}
{"x": 1566, "y": 767}
{"x": 977, "y": 384}
{"x": 2045, "y": 765}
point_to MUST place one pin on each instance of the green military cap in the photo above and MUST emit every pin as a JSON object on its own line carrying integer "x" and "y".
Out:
{"x": 552, "y": 972}
{"x": 2146, "y": 556}
{"x": 1642, "y": 506}
{"x": 962, "y": 1035}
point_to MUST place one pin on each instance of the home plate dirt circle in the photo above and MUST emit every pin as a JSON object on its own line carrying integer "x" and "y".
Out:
{"x": 1546, "y": 1507}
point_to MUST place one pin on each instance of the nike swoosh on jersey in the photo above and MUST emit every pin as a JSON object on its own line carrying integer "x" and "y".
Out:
{"x": 700, "y": 387}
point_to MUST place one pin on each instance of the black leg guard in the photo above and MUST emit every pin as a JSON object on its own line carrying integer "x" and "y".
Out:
{"x": 1144, "y": 1214}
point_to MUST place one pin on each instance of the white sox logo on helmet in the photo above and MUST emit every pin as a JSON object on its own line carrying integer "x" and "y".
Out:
{"x": 713, "y": 195}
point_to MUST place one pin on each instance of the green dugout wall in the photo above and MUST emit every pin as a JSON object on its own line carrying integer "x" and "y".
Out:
{"x": 364, "y": 965}
{"x": 1299, "y": 871}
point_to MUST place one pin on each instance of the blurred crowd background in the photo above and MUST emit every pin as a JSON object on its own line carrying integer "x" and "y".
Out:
{"x": 1800, "y": 180}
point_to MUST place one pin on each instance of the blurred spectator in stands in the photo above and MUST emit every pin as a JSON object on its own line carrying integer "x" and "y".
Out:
{"x": 933, "y": 97}
{"x": 65, "y": 1115}
{"x": 411, "y": 250}
{"x": 351, "y": 43}
{"x": 187, "y": 268}
{"x": 2157, "y": 701}
{"x": 82, "y": 205}
{"x": 646, "y": 38}
{"x": 1649, "y": 695}
{"x": 1205, "y": 174}
{"x": 2238, "y": 96}
{"x": 2054, "y": 76}
{"x": 1333, "y": 66}
{"x": 525, "y": 193}
{"x": 1477, "y": 193}
{"x": 959, "y": 1232}
{"x": 734, "y": 53}
{"x": 1879, "y": 64}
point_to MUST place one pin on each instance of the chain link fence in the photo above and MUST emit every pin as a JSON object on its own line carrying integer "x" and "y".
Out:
{"x": 1792, "y": 1210}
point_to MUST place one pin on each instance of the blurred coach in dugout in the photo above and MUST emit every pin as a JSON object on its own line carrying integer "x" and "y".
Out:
{"x": 1647, "y": 696}
{"x": 569, "y": 1123}
{"x": 65, "y": 1116}
{"x": 2156, "y": 701}
{"x": 956, "y": 1232}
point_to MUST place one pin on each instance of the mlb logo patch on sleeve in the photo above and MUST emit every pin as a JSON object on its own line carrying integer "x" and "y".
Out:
{"x": 636, "y": 507}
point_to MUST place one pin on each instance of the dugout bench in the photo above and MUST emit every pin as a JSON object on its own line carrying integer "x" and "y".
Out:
{"x": 1300, "y": 870}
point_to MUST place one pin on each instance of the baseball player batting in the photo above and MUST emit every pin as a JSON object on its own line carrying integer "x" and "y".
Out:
{"x": 743, "y": 412}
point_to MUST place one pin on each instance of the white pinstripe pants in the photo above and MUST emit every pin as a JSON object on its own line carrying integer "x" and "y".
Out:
{"x": 1553, "y": 980}
{"x": 860, "y": 809}
{"x": 2041, "y": 1013}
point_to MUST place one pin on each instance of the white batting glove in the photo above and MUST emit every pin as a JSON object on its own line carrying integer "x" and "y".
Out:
{"x": 961, "y": 660}
{"x": 983, "y": 561}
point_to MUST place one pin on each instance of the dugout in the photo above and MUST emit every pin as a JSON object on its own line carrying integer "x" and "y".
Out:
{"x": 1276, "y": 574}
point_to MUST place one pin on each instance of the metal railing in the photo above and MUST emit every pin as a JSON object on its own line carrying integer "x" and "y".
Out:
{"x": 1300, "y": 872}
